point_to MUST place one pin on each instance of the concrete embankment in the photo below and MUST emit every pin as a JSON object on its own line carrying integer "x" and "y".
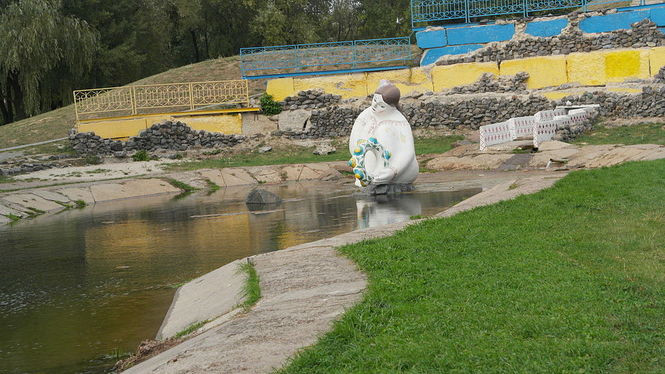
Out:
{"x": 304, "y": 290}
{"x": 27, "y": 203}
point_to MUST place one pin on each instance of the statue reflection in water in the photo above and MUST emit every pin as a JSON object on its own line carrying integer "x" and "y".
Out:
{"x": 386, "y": 209}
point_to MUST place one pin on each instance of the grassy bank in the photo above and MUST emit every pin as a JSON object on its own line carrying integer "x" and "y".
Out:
{"x": 646, "y": 133}
{"x": 571, "y": 279}
{"x": 300, "y": 155}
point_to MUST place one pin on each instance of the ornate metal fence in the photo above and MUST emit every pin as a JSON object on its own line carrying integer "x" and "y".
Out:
{"x": 146, "y": 99}
{"x": 304, "y": 59}
{"x": 424, "y": 11}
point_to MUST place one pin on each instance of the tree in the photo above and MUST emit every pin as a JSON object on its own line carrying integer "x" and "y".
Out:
{"x": 41, "y": 52}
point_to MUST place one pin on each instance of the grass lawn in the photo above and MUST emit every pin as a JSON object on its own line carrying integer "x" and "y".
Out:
{"x": 647, "y": 133}
{"x": 569, "y": 280}
{"x": 299, "y": 155}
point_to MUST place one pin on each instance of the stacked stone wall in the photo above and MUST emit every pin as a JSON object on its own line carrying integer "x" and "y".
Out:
{"x": 167, "y": 135}
{"x": 310, "y": 99}
{"x": 642, "y": 34}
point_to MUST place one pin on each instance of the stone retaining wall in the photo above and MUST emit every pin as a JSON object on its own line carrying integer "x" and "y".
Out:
{"x": 310, "y": 99}
{"x": 167, "y": 135}
{"x": 642, "y": 34}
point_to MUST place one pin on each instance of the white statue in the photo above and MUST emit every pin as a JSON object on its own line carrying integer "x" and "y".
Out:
{"x": 381, "y": 142}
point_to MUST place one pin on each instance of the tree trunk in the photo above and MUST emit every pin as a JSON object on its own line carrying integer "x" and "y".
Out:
{"x": 17, "y": 102}
{"x": 195, "y": 42}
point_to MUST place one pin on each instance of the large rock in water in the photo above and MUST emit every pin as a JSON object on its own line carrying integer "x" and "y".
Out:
{"x": 260, "y": 199}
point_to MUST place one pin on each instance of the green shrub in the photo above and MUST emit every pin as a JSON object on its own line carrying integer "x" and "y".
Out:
{"x": 93, "y": 160}
{"x": 141, "y": 155}
{"x": 269, "y": 106}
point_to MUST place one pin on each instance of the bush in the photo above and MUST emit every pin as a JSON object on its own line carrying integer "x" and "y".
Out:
{"x": 269, "y": 106}
{"x": 141, "y": 155}
{"x": 93, "y": 160}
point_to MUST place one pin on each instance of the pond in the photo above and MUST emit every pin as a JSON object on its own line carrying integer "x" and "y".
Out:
{"x": 79, "y": 288}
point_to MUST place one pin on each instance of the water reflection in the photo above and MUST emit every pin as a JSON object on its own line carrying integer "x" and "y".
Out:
{"x": 77, "y": 286}
{"x": 383, "y": 210}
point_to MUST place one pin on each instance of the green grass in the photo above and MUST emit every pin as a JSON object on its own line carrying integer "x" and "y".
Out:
{"x": 212, "y": 186}
{"x": 286, "y": 155}
{"x": 190, "y": 329}
{"x": 5, "y": 179}
{"x": 568, "y": 280}
{"x": 252, "y": 288}
{"x": 646, "y": 133}
{"x": 437, "y": 144}
{"x": 181, "y": 185}
{"x": 301, "y": 155}
{"x": 13, "y": 217}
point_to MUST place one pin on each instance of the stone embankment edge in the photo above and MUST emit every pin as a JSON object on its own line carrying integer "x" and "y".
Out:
{"x": 33, "y": 202}
{"x": 305, "y": 289}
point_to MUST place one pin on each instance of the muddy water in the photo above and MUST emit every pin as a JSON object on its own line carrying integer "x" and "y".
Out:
{"x": 79, "y": 288}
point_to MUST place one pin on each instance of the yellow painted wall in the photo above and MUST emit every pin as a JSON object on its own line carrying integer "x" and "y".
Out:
{"x": 280, "y": 88}
{"x": 122, "y": 129}
{"x": 449, "y": 76}
{"x": 656, "y": 59}
{"x": 601, "y": 67}
{"x": 347, "y": 86}
{"x": 547, "y": 71}
{"x": 226, "y": 124}
{"x": 586, "y": 68}
{"x": 115, "y": 129}
{"x": 623, "y": 65}
{"x": 407, "y": 80}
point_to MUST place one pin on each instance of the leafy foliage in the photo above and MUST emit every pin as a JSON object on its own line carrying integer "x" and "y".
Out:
{"x": 74, "y": 44}
{"x": 269, "y": 106}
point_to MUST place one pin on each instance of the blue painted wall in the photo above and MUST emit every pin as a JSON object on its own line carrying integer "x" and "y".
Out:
{"x": 658, "y": 16}
{"x": 546, "y": 28}
{"x": 480, "y": 34}
{"x": 431, "y": 39}
{"x": 611, "y": 22}
{"x": 431, "y": 55}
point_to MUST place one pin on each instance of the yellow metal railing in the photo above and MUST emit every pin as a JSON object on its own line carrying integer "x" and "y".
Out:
{"x": 149, "y": 99}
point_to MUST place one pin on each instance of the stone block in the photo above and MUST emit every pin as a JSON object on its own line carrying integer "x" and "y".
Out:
{"x": 546, "y": 28}
{"x": 656, "y": 60}
{"x": 32, "y": 202}
{"x": 347, "y": 86}
{"x": 657, "y": 16}
{"x": 433, "y": 55}
{"x": 545, "y": 71}
{"x": 115, "y": 129}
{"x": 223, "y": 124}
{"x": 623, "y": 65}
{"x": 294, "y": 120}
{"x": 78, "y": 193}
{"x": 52, "y": 196}
{"x": 449, "y": 76}
{"x": 431, "y": 39}
{"x": 215, "y": 176}
{"x": 481, "y": 34}
{"x": 237, "y": 177}
{"x": 407, "y": 80}
{"x": 280, "y": 88}
{"x": 587, "y": 69}
{"x": 612, "y": 22}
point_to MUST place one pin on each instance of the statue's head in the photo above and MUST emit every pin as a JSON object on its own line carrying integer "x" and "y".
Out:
{"x": 386, "y": 97}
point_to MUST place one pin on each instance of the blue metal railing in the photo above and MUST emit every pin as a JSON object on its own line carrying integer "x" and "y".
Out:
{"x": 424, "y": 11}
{"x": 319, "y": 58}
